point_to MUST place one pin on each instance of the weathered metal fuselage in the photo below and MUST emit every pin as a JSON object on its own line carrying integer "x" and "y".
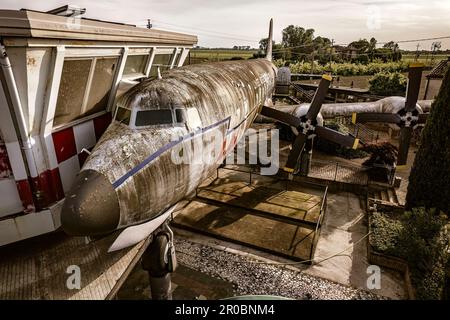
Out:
{"x": 136, "y": 166}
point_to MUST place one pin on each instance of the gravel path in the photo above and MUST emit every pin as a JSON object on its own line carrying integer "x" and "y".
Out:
{"x": 262, "y": 279}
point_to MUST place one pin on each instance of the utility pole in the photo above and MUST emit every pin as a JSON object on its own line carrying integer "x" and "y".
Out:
{"x": 417, "y": 51}
{"x": 331, "y": 53}
{"x": 149, "y": 25}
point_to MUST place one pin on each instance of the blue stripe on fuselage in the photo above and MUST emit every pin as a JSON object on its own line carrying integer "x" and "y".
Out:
{"x": 160, "y": 151}
{"x": 172, "y": 144}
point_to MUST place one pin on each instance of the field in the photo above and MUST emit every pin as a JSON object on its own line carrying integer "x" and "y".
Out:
{"x": 204, "y": 55}
{"x": 425, "y": 59}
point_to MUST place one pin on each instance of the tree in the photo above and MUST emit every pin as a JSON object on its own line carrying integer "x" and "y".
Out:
{"x": 372, "y": 47}
{"x": 263, "y": 44}
{"x": 389, "y": 45}
{"x": 362, "y": 45}
{"x": 298, "y": 41}
{"x": 429, "y": 180}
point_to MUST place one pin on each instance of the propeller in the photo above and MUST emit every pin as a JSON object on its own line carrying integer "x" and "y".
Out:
{"x": 407, "y": 118}
{"x": 307, "y": 126}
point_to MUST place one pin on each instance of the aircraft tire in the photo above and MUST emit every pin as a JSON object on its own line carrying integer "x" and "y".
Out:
{"x": 153, "y": 259}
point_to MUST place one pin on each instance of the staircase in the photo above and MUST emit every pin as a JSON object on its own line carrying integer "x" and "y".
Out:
{"x": 306, "y": 95}
{"x": 383, "y": 194}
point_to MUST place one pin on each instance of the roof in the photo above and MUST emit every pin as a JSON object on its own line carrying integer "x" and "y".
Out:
{"x": 32, "y": 24}
{"x": 439, "y": 70}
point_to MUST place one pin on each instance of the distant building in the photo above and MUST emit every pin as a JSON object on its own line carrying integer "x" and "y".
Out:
{"x": 345, "y": 53}
{"x": 434, "y": 79}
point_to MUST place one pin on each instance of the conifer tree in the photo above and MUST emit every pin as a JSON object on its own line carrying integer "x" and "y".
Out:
{"x": 429, "y": 180}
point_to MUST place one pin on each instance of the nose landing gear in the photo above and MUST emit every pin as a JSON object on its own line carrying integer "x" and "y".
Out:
{"x": 159, "y": 260}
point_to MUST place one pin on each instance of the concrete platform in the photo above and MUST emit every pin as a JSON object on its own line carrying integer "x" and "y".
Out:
{"x": 265, "y": 213}
{"x": 241, "y": 226}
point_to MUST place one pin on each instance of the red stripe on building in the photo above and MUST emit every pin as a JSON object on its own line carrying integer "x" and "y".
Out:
{"x": 5, "y": 166}
{"x": 26, "y": 195}
{"x": 64, "y": 142}
{"x": 83, "y": 156}
{"x": 100, "y": 124}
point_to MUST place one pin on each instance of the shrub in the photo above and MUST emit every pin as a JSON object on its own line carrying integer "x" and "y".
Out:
{"x": 336, "y": 149}
{"x": 388, "y": 84}
{"x": 419, "y": 237}
{"x": 346, "y": 68}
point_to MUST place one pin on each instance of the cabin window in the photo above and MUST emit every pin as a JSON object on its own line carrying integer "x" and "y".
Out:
{"x": 84, "y": 88}
{"x": 153, "y": 117}
{"x": 162, "y": 61}
{"x": 135, "y": 65}
{"x": 123, "y": 115}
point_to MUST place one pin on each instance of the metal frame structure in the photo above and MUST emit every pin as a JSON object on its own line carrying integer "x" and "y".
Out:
{"x": 35, "y": 46}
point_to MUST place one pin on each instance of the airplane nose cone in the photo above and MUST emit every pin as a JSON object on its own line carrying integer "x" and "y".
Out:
{"x": 91, "y": 207}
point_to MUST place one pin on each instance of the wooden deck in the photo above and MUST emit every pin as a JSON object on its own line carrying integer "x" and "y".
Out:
{"x": 37, "y": 268}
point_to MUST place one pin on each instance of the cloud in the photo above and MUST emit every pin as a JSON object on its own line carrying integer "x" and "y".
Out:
{"x": 224, "y": 23}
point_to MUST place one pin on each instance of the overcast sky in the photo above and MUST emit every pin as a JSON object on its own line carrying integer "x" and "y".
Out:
{"x": 225, "y": 23}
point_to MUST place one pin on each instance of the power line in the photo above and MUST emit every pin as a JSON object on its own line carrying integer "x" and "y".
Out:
{"x": 218, "y": 34}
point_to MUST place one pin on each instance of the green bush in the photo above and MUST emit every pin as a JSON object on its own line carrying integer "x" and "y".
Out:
{"x": 335, "y": 149}
{"x": 346, "y": 68}
{"x": 388, "y": 84}
{"x": 419, "y": 237}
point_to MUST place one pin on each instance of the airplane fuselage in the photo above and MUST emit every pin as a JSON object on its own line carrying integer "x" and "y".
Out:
{"x": 148, "y": 159}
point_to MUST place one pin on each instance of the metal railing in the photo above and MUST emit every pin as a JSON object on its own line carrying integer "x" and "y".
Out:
{"x": 347, "y": 173}
{"x": 287, "y": 183}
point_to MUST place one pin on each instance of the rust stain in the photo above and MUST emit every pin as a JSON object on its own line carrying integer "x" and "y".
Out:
{"x": 31, "y": 61}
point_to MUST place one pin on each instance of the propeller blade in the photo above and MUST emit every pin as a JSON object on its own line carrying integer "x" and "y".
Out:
{"x": 319, "y": 97}
{"x": 405, "y": 138}
{"x": 294, "y": 155}
{"x": 375, "y": 117}
{"x": 423, "y": 117}
{"x": 281, "y": 116}
{"x": 412, "y": 91}
{"x": 337, "y": 137}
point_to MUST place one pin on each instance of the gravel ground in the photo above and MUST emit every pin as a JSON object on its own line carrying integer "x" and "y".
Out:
{"x": 262, "y": 279}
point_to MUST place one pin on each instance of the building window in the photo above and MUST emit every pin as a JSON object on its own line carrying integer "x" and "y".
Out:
{"x": 101, "y": 85}
{"x": 84, "y": 88}
{"x": 135, "y": 65}
{"x": 162, "y": 61}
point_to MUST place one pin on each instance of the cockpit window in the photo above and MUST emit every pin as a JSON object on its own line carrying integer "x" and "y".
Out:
{"x": 153, "y": 117}
{"x": 123, "y": 115}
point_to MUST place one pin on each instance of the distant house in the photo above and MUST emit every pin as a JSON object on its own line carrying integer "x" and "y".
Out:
{"x": 434, "y": 79}
{"x": 345, "y": 53}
